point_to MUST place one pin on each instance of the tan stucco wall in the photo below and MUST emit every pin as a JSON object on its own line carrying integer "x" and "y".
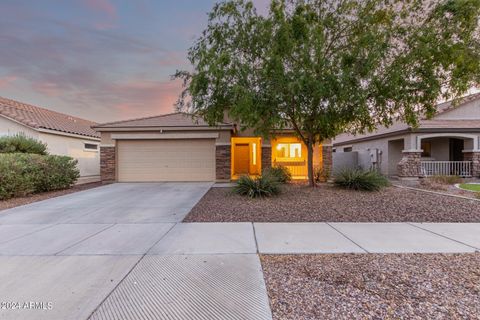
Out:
{"x": 88, "y": 161}
{"x": 440, "y": 149}
{"x": 10, "y": 127}
{"x": 223, "y": 136}
{"x": 381, "y": 144}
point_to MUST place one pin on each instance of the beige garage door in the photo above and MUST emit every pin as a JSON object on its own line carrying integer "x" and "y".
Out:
{"x": 166, "y": 160}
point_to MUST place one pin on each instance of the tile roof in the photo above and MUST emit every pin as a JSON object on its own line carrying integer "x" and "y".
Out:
{"x": 178, "y": 119}
{"x": 450, "y": 124}
{"x": 345, "y": 138}
{"x": 449, "y": 105}
{"x": 41, "y": 118}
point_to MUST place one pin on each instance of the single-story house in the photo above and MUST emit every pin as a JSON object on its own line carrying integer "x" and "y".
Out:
{"x": 180, "y": 147}
{"x": 447, "y": 144}
{"x": 63, "y": 134}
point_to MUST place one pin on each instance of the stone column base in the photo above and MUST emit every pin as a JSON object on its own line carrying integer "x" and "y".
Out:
{"x": 476, "y": 164}
{"x": 266, "y": 157}
{"x": 107, "y": 164}
{"x": 223, "y": 162}
{"x": 410, "y": 166}
{"x": 327, "y": 159}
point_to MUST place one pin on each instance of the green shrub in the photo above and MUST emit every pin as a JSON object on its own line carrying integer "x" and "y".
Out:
{"x": 17, "y": 175}
{"x": 22, "y": 144}
{"x": 320, "y": 174}
{"x": 259, "y": 187}
{"x": 357, "y": 179}
{"x": 24, "y": 174}
{"x": 59, "y": 172}
{"x": 279, "y": 173}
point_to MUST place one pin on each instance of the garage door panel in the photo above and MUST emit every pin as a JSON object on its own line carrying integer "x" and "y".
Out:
{"x": 166, "y": 160}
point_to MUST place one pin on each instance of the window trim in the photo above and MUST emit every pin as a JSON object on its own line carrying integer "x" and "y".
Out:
{"x": 92, "y": 143}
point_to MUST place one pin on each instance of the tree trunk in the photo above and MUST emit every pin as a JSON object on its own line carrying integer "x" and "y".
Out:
{"x": 311, "y": 181}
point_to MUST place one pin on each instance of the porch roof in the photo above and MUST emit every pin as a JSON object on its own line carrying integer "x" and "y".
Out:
{"x": 425, "y": 126}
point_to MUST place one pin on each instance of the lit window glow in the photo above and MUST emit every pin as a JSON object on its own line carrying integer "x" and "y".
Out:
{"x": 289, "y": 150}
{"x": 254, "y": 154}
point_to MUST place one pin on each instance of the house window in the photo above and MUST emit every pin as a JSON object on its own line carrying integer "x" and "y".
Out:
{"x": 289, "y": 150}
{"x": 427, "y": 149}
{"x": 91, "y": 146}
{"x": 254, "y": 154}
{"x": 348, "y": 149}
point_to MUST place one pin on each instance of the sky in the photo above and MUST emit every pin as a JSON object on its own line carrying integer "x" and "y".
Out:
{"x": 102, "y": 60}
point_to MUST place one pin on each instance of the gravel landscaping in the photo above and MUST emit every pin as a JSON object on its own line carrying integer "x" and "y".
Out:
{"x": 299, "y": 203}
{"x": 373, "y": 286}
{"x": 451, "y": 189}
{"x": 15, "y": 202}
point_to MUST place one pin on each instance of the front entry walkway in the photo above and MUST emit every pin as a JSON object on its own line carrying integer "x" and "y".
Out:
{"x": 120, "y": 252}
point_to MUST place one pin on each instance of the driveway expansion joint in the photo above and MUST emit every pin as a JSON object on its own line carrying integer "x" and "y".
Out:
{"x": 443, "y": 236}
{"x": 348, "y": 238}
{"x": 255, "y": 237}
{"x": 80, "y": 241}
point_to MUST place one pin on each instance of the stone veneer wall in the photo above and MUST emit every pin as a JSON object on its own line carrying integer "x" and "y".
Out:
{"x": 476, "y": 164}
{"x": 474, "y": 157}
{"x": 223, "y": 160}
{"x": 107, "y": 164}
{"x": 410, "y": 166}
{"x": 266, "y": 157}
{"x": 327, "y": 159}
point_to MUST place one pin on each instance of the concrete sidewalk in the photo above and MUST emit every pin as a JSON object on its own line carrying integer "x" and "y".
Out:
{"x": 291, "y": 238}
{"x": 297, "y": 238}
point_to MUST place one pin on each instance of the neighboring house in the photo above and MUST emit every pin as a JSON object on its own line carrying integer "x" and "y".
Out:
{"x": 63, "y": 134}
{"x": 447, "y": 144}
{"x": 178, "y": 147}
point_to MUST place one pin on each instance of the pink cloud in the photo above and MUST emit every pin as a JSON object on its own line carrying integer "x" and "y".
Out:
{"x": 173, "y": 58}
{"x": 103, "y": 6}
{"x": 106, "y": 9}
{"x": 145, "y": 98}
{"x": 7, "y": 81}
{"x": 49, "y": 89}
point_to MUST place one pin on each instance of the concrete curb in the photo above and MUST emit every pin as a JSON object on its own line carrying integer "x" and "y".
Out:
{"x": 436, "y": 192}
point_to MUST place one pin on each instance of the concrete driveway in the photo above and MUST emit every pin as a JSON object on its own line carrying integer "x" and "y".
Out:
{"x": 60, "y": 258}
{"x": 116, "y": 203}
{"x": 120, "y": 252}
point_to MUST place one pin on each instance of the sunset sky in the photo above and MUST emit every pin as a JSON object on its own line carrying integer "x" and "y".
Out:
{"x": 102, "y": 60}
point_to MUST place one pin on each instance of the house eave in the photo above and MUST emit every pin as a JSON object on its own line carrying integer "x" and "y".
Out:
{"x": 406, "y": 131}
{"x": 67, "y": 134}
{"x": 163, "y": 128}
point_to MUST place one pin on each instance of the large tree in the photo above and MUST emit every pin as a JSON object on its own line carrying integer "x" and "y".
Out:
{"x": 322, "y": 67}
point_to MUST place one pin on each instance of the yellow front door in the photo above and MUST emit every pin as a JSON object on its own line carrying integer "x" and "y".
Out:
{"x": 242, "y": 159}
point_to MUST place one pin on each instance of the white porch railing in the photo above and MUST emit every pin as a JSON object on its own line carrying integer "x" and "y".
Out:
{"x": 447, "y": 168}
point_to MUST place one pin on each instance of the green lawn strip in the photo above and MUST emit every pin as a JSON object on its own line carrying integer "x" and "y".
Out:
{"x": 470, "y": 186}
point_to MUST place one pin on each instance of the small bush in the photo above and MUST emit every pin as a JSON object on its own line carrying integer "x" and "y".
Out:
{"x": 357, "y": 179}
{"x": 25, "y": 174}
{"x": 445, "y": 179}
{"x": 22, "y": 144}
{"x": 279, "y": 173}
{"x": 320, "y": 174}
{"x": 59, "y": 172}
{"x": 477, "y": 195}
{"x": 17, "y": 175}
{"x": 259, "y": 187}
